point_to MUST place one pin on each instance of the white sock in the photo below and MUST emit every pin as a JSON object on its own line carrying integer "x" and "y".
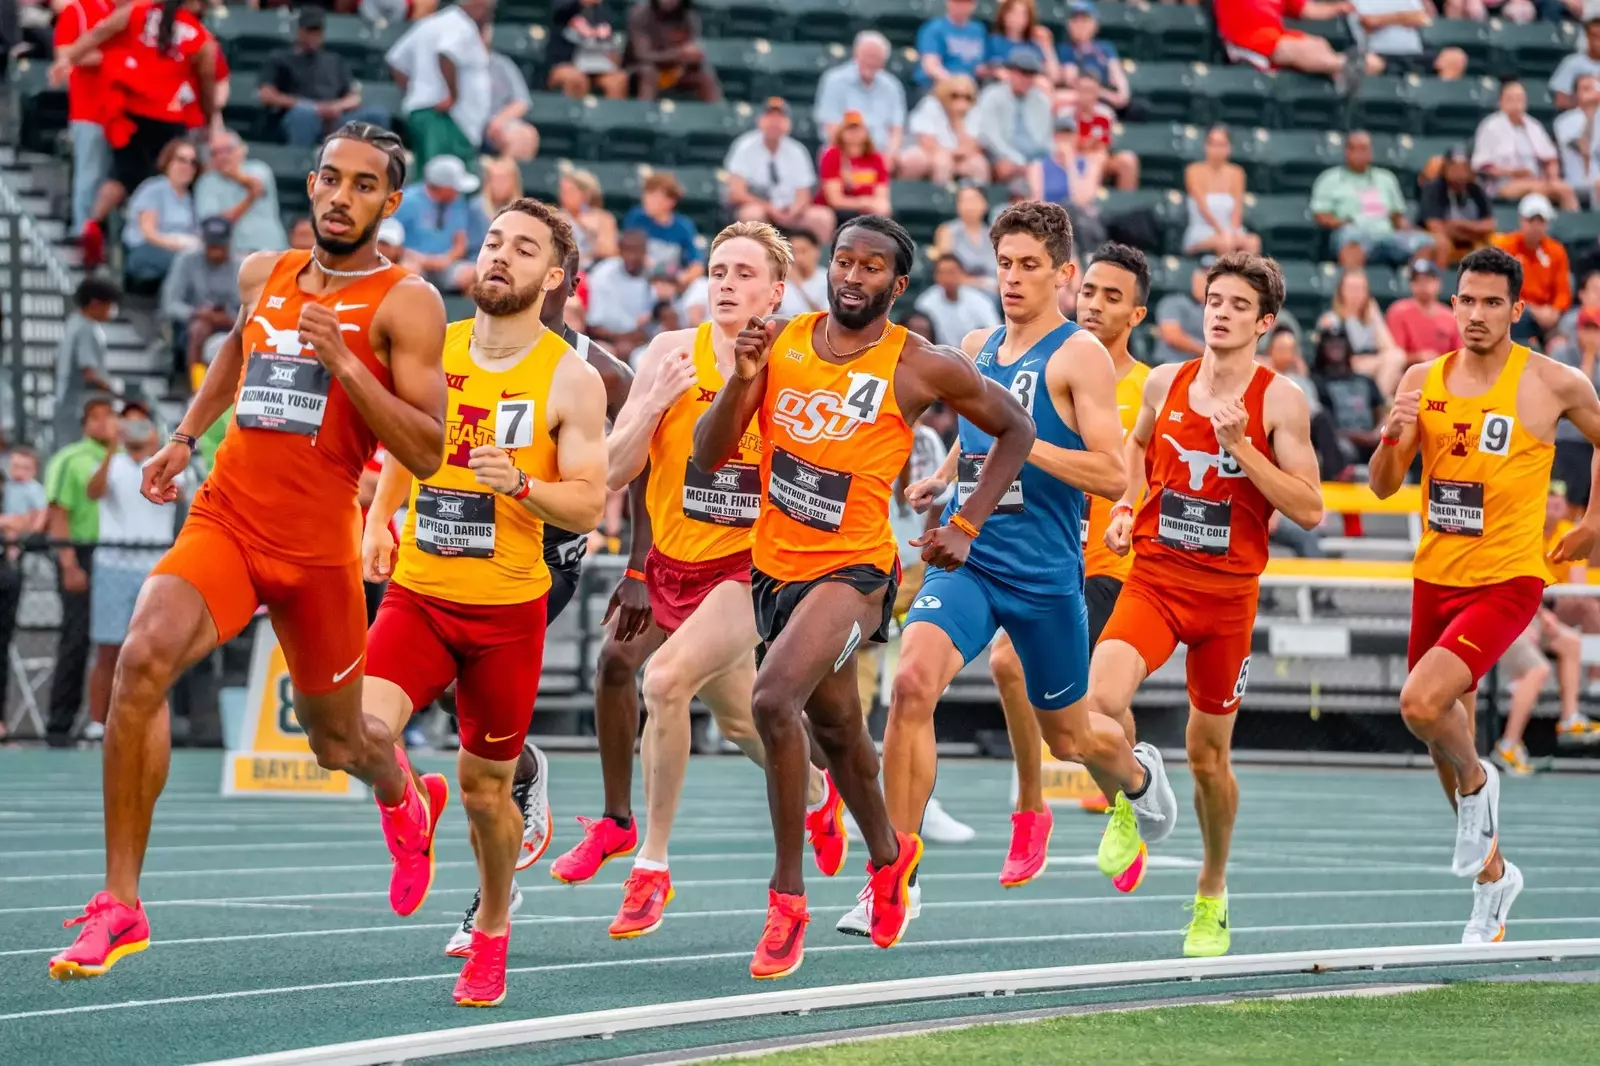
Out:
{"x": 646, "y": 864}
{"x": 817, "y": 806}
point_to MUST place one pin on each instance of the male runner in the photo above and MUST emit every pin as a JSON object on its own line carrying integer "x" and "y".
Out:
{"x": 1024, "y": 574}
{"x": 334, "y": 350}
{"x": 1485, "y": 419}
{"x": 837, "y": 400}
{"x": 1222, "y": 442}
{"x": 524, "y": 445}
{"x": 703, "y": 635}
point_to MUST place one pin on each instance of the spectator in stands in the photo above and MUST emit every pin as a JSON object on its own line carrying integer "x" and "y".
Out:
{"x": 1515, "y": 156}
{"x": 91, "y": 154}
{"x": 967, "y": 238}
{"x": 854, "y": 176}
{"x": 161, "y": 215}
{"x": 1253, "y": 32}
{"x": 200, "y": 296}
{"x": 584, "y": 51}
{"x": 954, "y": 43}
{"x": 942, "y": 147}
{"x": 1580, "y": 612}
{"x": 1454, "y": 208}
{"x": 582, "y": 201}
{"x": 1095, "y": 121}
{"x": 310, "y": 88}
{"x": 1073, "y": 179}
{"x": 862, "y": 87}
{"x": 1390, "y": 32}
{"x": 1422, "y": 325}
{"x": 806, "y": 288}
{"x": 920, "y": 324}
{"x": 1583, "y": 63}
{"x": 1546, "y": 274}
{"x": 665, "y": 53}
{"x": 1373, "y": 351}
{"x": 1180, "y": 321}
{"x": 1084, "y": 53}
{"x": 442, "y": 66}
{"x": 771, "y": 178}
{"x": 502, "y": 183}
{"x": 438, "y": 218}
{"x": 620, "y": 317}
{"x": 1016, "y": 25}
{"x": 81, "y": 359}
{"x": 242, "y": 190}
{"x": 1351, "y": 399}
{"x": 508, "y": 133}
{"x": 955, "y": 307}
{"x": 1564, "y": 338}
{"x": 1363, "y": 210}
{"x": 1574, "y": 453}
{"x": 1012, "y": 119}
{"x": 391, "y": 240}
{"x": 1525, "y": 664}
{"x": 23, "y": 511}
{"x": 1215, "y": 187}
{"x": 301, "y": 235}
{"x": 75, "y": 526}
{"x": 673, "y": 241}
{"x": 383, "y": 12}
{"x": 1574, "y": 134}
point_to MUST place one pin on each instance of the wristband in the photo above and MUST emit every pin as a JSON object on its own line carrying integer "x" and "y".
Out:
{"x": 1386, "y": 439}
{"x": 523, "y": 487}
{"x": 966, "y": 527}
{"x": 185, "y": 439}
{"x": 1121, "y": 508}
{"x": 630, "y": 572}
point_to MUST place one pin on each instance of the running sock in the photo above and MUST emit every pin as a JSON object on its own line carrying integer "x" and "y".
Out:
{"x": 1142, "y": 789}
{"x": 622, "y": 821}
{"x": 527, "y": 768}
{"x": 647, "y": 864}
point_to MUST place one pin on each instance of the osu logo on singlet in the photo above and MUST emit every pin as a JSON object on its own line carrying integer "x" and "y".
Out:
{"x": 468, "y": 431}
{"x": 824, "y": 415}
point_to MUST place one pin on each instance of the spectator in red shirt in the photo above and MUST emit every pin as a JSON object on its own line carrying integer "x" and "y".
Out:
{"x": 854, "y": 177}
{"x": 91, "y": 155}
{"x": 1096, "y": 123}
{"x": 1420, "y": 323}
{"x": 1253, "y": 32}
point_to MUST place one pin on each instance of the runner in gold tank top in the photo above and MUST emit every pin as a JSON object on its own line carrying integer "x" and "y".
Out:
{"x": 1485, "y": 419}
{"x": 837, "y": 394}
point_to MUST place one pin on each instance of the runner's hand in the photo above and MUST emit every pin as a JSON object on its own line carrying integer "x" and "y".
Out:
{"x": 674, "y": 376}
{"x": 319, "y": 327}
{"x": 494, "y": 469}
{"x": 1403, "y": 414}
{"x": 752, "y": 346}
{"x": 1576, "y": 546}
{"x": 1229, "y": 424}
{"x": 944, "y": 547}
{"x": 163, "y": 469}
{"x": 377, "y": 553}
{"x": 921, "y": 495}
{"x": 1119, "y": 533}
{"x": 630, "y": 602}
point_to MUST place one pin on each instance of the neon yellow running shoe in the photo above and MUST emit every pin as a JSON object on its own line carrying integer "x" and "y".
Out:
{"x": 1122, "y": 851}
{"x": 1208, "y": 934}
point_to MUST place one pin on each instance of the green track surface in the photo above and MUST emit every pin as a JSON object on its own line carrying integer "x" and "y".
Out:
{"x": 271, "y": 928}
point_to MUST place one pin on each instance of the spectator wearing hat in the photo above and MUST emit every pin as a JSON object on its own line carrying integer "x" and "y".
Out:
{"x": 442, "y": 66}
{"x": 854, "y": 176}
{"x": 1083, "y": 52}
{"x": 1363, "y": 210}
{"x": 942, "y": 146}
{"x": 1012, "y": 119}
{"x": 1515, "y": 156}
{"x": 585, "y": 51}
{"x": 861, "y": 86}
{"x": 1420, "y": 323}
{"x": 243, "y": 191}
{"x": 954, "y": 43}
{"x": 664, "y": 51}
{"x": 1583, "y": 63}
{"x": 1546, "y": 274}
{"x": 81, "y": 357}
{"x": 1454, "y": 208}
{"x": 771, "y": 178}
{"x": 310, "y": 88}
{"x": 1016, "y": 25}
{"x": 674, "y": 244}
{"x": 1575, "y": 136}
{"x": 438, "y": 218}
{"x": 200, "y": 295}
{"x": 392, "y": 240}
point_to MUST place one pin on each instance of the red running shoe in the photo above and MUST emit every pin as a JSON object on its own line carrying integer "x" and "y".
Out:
{"x": 408, "y": 830}
{"x": 483, "y": 979}
{"x": 825, "y": 826}
{"x": 783, "y": 941}
{"x": 644, "y": 896}
{"x": 891, "y": 892}
{"x": 111, "y": 930}
{"x": 602, "y": 841}
{"x": 92, "y": 242}
{"x": 1030, "y": 847}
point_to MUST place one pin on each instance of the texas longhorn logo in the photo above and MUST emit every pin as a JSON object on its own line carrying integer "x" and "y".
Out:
{"x": 1199, "y": 462}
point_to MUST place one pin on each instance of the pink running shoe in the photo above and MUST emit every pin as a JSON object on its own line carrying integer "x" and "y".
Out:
{"x": 825, "y": 827}
{"x": 111, "y": 930}
{"x": 602, "y": 841}
{"x": 408, "y": 829}
{"x": 483, "y": 979}
{"x": 1030, "y": 847}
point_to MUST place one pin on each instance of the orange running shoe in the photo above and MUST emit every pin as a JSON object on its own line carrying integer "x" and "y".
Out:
{"x": 644, "y": 896}
{"x": 825, "y": 826}
{"x": 111, "y": 930}
{"x": 1095, "y": 804}
{"x": 783, "y": 941}
{"x": 602, "y": 841}
{"x": 891, "y": 892}
{"x": 1030, "y": 847}
{"x": 408, "y": 829}
{"x": 483, "y": 979}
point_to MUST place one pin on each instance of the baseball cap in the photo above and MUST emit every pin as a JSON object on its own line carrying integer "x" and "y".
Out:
{"x": 852, "y": 118}
{"x": 134, "y": 406}
{"x": 1422, "y": 266}
{"x": 1458, "y": 153}
{"x": 1025, "y": 60}
{"x": 777, "y": 103}
{"x": 216, "y": 232}
{"x": 448, "y": 172}
{"x": 392, "y": 231}
{"x": 1588, "y": 317}
{"x": 311, "y": 17}
{"x": 1082, "y": 7}
{"x": 1536, "y": 205}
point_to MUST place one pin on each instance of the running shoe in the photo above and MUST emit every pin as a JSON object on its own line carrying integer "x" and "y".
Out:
{"x": 1512, "y": 758}
{"x": 939, "y": 828}
{"x": 1491, "y": 902}
{"x": 645, "y": 895}
{"x": 92, "y": 242}
{"x": 1477, "y": 825}
{"x": 891, "y": 891}
{"x": 602, "y": 841}
{"x": 1157, "y": 809}
{"x": 1207, "y": 935}
{"x": 111, "y": 931}
{"x": 483, "y": 979}
{"x": 1123, "y": 855}
{"x": 858, "y": 920}
{"x": 1095, "y": 804}
{"x": 533, "y": 800}
{"x": 1030, "y": 847}
{"x": 461, "y": 939}
{"x": 825, "y": 828}
{"x": 408, "y": 829}
{"x": 1577, "y": 732}
{"x": 783, "y": 940}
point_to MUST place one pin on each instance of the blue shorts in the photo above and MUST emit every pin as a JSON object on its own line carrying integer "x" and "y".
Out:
{"x": 1050, "y": 631}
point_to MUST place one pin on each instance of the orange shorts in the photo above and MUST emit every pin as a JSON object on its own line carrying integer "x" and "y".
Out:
{"x": 1255, "y": 44}
{"x": 1158, "y": 611}
{"x": 319, "y": 613}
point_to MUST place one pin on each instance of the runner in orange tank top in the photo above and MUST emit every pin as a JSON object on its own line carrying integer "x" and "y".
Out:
{"x": 1485, "y": 419}
{"x": 1221, "y": 443}
{"x": 333, "y": 350}
{"x": 837, "y": 394}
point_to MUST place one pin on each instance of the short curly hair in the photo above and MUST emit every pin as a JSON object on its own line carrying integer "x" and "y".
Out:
{"x": 561, "y": 240}
{"x": 1260, "y": 272}
{"x": 1046, "y": 223}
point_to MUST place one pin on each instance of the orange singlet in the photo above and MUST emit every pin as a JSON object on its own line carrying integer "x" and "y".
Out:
{"x": 278, "y": 522}
{"x": 1099, "y": 560}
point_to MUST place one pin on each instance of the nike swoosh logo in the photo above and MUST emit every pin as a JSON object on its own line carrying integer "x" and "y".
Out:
{"x": 1123, "y": 406}
{"x": 120, "y": 933}
{"x": 1062, "y": 692}
{"x": 510, "y": 395}
{"x": 644, "y": 911}
{"x": 338, "y": 307}
{"x": 1469, "y": 644}
{"x": 788, "y": 945}
{"x": 1229, "y": 703}
{"x": 497, "y": 740}
{"x": 342, "y": 674}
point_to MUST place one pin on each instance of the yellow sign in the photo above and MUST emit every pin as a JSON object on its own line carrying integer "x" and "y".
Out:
{"x": 1064, "y": 782}
{"x": 278, "y": 760}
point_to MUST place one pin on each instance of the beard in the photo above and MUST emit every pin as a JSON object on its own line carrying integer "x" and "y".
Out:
{"x": 503, "y": 301}
{"x": 344, "y": 245}
{"x": 874, "y": 308}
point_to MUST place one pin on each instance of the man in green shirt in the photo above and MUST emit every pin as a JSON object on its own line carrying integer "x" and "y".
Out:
{"x": 74, "y": 528}
{"x": 1364, "y": 209}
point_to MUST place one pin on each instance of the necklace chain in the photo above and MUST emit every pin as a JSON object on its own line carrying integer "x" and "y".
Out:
{"x": 827, "y": 335}
{"x": 383, "y": 264}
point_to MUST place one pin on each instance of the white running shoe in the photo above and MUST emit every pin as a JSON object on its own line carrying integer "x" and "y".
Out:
{"x": 1477, "y": 825}
{"x": 1491, "y": 902}
{"x": 858, "y": 922}
{"x": 461, "y": 939}
{"x": 94, "y": 732}
{"x": 1157, "y": 810}
{"x": 939, "y": 828}
{"x": 533, "y": 800}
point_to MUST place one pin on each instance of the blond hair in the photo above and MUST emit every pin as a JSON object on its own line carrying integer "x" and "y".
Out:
{"x": 780, "y": 256}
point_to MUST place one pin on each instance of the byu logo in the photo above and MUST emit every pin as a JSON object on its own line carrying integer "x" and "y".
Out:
{"x": 928, "y": 603}
{"x": 450, "y": 508}
{"x": 282, "y": 375}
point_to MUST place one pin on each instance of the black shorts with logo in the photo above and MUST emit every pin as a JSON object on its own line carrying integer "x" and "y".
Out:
{"x": 1100, "y": 596}
{"x": 563, "y": 557}
{"x": 775, "y": 601}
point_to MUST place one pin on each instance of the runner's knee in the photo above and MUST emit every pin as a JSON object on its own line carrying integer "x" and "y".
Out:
{"x": 1208, "y": 759}
{"x": 777, "y": 715}
{"x": 334, "y": 748}
{"x": 1004, "y": 666}
{"x": 616, "y": 666}
{"x": 666, "y": 689}
{"x": 485, "y": 796}
{"x": 914, "y": 695}
{"x": 1419, "y": 708}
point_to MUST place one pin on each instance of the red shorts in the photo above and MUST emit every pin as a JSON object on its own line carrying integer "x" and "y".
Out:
{"x": 1255, "y": 43}
{"x": 678, "y": 589}
{"x": 1159, "y": 610}
{"x": 319, "y": 613}
{"x": 1475, "y": 624}
{"x": 493, "y": 652}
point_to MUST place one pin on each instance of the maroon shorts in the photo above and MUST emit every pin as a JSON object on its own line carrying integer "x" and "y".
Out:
{"x": 678, "y": 589}
{"x": 493, "y": 652}
{"x": 1475, "y": 624}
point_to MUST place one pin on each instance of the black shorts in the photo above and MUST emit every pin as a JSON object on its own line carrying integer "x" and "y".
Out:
{"x": 374, "y": 592}
{"x": 775, "y": 601}
{"x": 1100, "y": 596}
{"x": 563, "y": 586}
{"x": 1572, "y": 466}
{"x": 136, "y": 160}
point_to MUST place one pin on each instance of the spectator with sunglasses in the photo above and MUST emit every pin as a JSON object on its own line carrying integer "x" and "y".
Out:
{"x": 941, "y": 148}
{"x": 771, "y": 178}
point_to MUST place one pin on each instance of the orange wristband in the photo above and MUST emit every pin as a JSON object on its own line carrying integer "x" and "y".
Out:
{"x": 630, "y": 572}
{"x": 966, "y": 527}
{"x": 1121, "y": 508}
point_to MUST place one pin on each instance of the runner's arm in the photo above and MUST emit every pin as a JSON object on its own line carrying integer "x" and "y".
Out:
{"x": 1151, "y": 400}
{"x": 1386, "y": 470}
{"x": 641, "y": 536}
{"x": 1581, "y": 407}
{"x": 717, "y": 434}
{"x": 1293, "y": 485}
{"x": 221, "y": 383}
{"x": 628, "y": 446}
{"x": 1080, "y": 373}
{"x": 577, "y": 501}
{"x": 394, "y": 488}
{"x": 953, "y": 378}
{"x": 410, "y": 419}
{"x": 204, "y": 65}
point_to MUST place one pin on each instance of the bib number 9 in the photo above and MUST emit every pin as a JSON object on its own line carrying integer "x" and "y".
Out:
{"x": 1496, "y": 436}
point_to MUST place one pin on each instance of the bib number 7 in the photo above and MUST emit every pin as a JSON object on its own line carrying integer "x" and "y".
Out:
{"x": 513, "y": 424}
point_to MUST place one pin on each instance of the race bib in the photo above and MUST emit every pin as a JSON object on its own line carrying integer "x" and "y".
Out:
{"x": 1192, "y": 524}
{"x": 1455, "y": 507}
{"x": 283, "y": 393}
{"x": 968, "y": 467}
{"x": 1083, "y": 532}
{"x": 808, "y": 494}
{"x": 729, "y": 496}
{"x": 454, "y": 522}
